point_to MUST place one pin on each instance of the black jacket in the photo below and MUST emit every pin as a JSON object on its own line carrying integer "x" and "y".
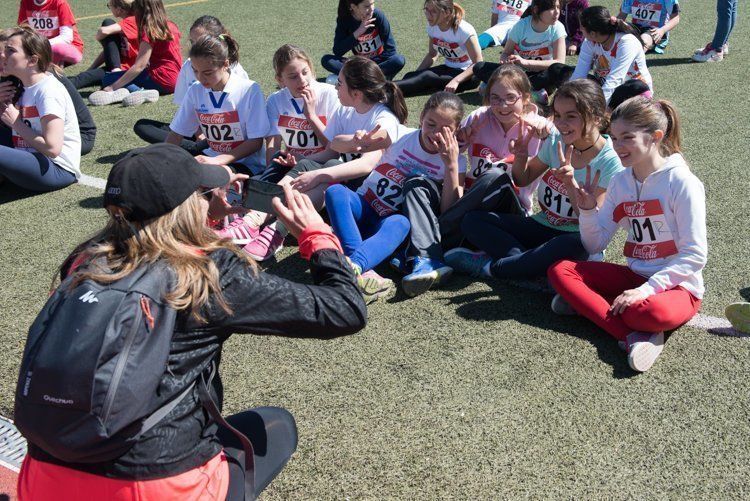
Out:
{"x": 344, "y": 41}
{"x": 261, "y": 304}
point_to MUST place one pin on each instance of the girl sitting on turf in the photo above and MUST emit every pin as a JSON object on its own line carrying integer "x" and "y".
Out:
{"x": 537, "y": 44}
{"x": 365, "y": 31}
{"x": 662, "y": 206}
{"x": 119, "y": 45}
{"x": 450, "y": 36}
{"x": 612, "y": 50}
{"x": 54, "y": 20}
{"x": 229, "y": 109}
{"x": 575, "y": 154}
{"x": 505, "y": 14}
{"x": 367, "y": 121}
{"x": 487, "y": 135}
{"x": 46, "y": 152}
{"x": 156, "y": 66}
{"x": 153, "y": 131}
{"x": 300, "y": 111}
{"x": 368, "y": 222}
{"x": 654, "y": 20}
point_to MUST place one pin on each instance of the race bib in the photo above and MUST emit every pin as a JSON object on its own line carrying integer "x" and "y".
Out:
{"x": 451, "y": 51}
{"x": 383, "y": 189}
{"x": 554, "y": 201}
{"x": 540, "y": 54}
{"x": 512, "y": 7}
{"x": 482, "y": 159}
{"x": 223, "y": 130}
{"x": 30, "y": 116}
{"x": 649, "y": 236}
{"x": 646, "y": 14}
{"x": 369, "y": 45}
{"x": 45, "y": 22}
{"x": 299, "y": 136}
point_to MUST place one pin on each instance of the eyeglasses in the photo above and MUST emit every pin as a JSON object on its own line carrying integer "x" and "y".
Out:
{"x": 508, "y": 101}
{"x": 206, "y": 194}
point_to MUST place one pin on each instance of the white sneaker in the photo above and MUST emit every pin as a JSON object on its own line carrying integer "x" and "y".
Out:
{"x": 332, "y": 79}
{"x": 708, "y": 57}
{"x": 103, "y": 98}
{"x": 643, "y": 349}
{"x": 140, "y": 97}
{"x": 724, "y": 49}
{"x": 598, "y": 257}
{"x": 562, "y": 307}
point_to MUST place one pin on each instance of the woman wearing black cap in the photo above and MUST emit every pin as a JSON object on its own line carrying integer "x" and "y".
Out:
{"x": 157, "y": 199}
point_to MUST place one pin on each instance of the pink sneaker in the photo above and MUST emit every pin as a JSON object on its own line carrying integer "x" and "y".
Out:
{"x": 268, "y": 242}
{"x": 239, "y": 231}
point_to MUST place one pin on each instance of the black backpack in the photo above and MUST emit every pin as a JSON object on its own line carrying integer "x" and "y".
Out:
{"x": 91, "y": 368}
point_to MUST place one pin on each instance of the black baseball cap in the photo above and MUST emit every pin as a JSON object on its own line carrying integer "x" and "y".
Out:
{"x": 150, "y": 182}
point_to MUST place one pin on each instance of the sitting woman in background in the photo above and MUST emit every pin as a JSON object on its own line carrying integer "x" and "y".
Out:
{"x": 449, "y": 36}
{"x": 119, "y": 42}
{"x": 46, "y": 151}
{"x": 365, "y": 31}
{"x": 54, "y": 20}
{"x": 156, "y": 66}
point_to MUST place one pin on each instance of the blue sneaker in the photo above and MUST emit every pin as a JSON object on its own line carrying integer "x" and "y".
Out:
{"x": 426, "y": 273}
{"x": 467, "y": 261}
{"x": 399, "y": 263}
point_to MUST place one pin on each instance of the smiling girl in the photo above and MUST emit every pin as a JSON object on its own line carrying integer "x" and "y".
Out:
{"x": 230, "y": 110}
{"x": 662, "y": 206}
{"x": 575, "y": 154}
{"x": 451, "y": 37}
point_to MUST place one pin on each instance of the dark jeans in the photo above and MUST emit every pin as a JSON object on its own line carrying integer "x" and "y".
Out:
{"x": 519, "y": 246}
{"x": 153, "y": 132}
{"x": 111, "y": 51}
{"x": 142, "y": 81}
{"x": 432, "y": 80}
{"x": 273, "y": 433}
{"x": 549, "y": 79}
{"x": 390, "y": 65}
{"x": 33, "y": 171}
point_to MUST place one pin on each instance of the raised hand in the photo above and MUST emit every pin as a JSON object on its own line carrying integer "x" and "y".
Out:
{"x": 572, "y": 49}
{"x": 285, "y": 159}
{"x": 365, "y": 25}
{"x": 298, "y": 213}
{"x": 310, "y": 100}
{"x": 447, "y": 146}
{"x": 586, "y": 194}
{"x": 465, "y": 135}
{"x": 565, "y": 172}
{"x": 627, "y": 298}
{"x": 364, "y": 141}
{"x": 7, "y": 91}
{"x": 519, "y": 146}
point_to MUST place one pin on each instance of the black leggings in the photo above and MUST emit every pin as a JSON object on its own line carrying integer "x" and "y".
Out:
{"x": 111, "y": 51}
{"x": 273, "y": 433}
{"x": 549, "y": 79}
{"x": 153, "y": 132}
{"x": 434, "y": 79}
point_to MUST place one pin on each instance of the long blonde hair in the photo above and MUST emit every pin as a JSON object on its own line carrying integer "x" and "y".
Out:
{"x": 180, "y": 237}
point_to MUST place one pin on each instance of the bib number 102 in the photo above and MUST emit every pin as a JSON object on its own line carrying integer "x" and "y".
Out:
{"x": 218, "y": 132}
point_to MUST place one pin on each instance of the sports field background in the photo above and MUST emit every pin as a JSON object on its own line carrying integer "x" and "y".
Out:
{"x": 475, "y": 390}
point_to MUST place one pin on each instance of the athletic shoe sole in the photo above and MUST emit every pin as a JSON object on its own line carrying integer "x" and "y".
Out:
{"x": 561, "y": 307}
{"x": 739, "y": 316}
{"x": 386, "y": 291}
{"x": 419, "y": 284}
{"x": 140, "y": 97}
{"x": 642, "y": 355}
{"x": 261, "y": 259}
{"x": 102, "y": 98}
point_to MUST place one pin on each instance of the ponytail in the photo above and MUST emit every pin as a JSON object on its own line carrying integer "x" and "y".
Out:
{"x": 457, "y": 12}
{"x": 537, "y": 7}
{"x": 219, "y": 49}
{"x": 597, "y": 19}
{"x": 650, "y": 115}
{"x": 210, "y": 24}
{"x": 394, "y": 100}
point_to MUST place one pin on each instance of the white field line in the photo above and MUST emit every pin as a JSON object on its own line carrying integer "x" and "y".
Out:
{"x": 705, "y": 322}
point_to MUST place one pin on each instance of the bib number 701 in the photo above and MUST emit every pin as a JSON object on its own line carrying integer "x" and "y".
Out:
{"x": 301, "y": 138}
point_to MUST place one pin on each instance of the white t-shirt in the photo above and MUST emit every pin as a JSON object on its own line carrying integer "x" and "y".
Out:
{"x": 227, "y": 118}
{"x": 531, "y": 44}
{"x": 383, "y": 188}
{"x": 346, "y": 120}
{"x": 186, "y": 78}
{"x": 509, "y": 10}
{"x": 49, "y": 97}
{"x": 452, "y": 44}
{"x": 287, "y": 119}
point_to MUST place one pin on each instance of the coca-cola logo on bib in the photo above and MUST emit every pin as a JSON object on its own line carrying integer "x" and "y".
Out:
{"x": 646, "y": 252}
{"x": 636, "y": 209}
{"x": 212, "y": 118}
{"x": 555, "y": 183}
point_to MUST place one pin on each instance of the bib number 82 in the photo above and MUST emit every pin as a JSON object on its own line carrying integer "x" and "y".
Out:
{"x": 383, "y": 185}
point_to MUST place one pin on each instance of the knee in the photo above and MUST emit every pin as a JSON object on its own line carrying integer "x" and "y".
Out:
{"x": 281, "y": 429}
{"x": 397, "y": 60}
{"x": 327, "y": 59}
{"x": 401, "y": 225}
{"x": 333, "y": 193}
{"x": 559, "y": 270}
{"x": 108, "y": 22}
{"x": 473, "y": 222}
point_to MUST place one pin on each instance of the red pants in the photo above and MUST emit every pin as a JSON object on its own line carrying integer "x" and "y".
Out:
{"x": 590, "y": 287}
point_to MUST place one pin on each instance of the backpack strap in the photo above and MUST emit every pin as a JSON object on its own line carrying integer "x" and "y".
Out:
{"x": 247, "y": 446}
{"x": 165, "y": 409}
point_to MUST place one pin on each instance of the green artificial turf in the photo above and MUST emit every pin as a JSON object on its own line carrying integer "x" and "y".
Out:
{"x": 475, "y": 390}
